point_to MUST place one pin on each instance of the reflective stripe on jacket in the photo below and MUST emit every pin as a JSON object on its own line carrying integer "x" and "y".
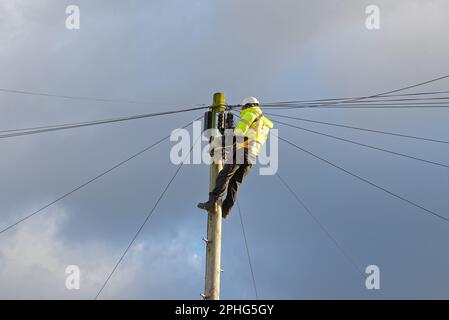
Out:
{"x": 255, "y": 127}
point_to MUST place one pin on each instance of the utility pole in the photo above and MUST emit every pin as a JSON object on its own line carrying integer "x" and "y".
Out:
{"x": 214, "y": 219}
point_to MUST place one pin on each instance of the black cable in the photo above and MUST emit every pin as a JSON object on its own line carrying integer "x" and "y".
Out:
{"x": 145, "y": 221}
{"x": 313, "y": 102}
{"x": 405, "y": 102}
{"x": 138, "y": 232}
{"x": 266, "y": 104}
{"x": 365, "y": 145}
{"x": 365, "y": 180}
{"x": 350, "y": 98}
{"x": 89, "y": 181}
{"x": 101, "y": 121}
{"x": 323, "y": 228}
{"x": 362, "y": 106}
{"x": 361, "y": 144}
{"x": 381, "y": 94}
{"x": 359, "y": 128}
{"x": 51, "y": 95}
{"x": 36, "y": 130}
{"x": 247, "y": 252}
{"x": 370, "y": 103}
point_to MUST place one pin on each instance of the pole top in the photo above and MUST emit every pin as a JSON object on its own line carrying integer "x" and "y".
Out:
{"x": 219, "y": 102}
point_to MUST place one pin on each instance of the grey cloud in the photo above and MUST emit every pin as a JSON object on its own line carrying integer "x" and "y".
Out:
{"x": 177, "y": 54}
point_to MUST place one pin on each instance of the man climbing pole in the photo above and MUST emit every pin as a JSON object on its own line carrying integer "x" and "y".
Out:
{"x": 249, "y": 136}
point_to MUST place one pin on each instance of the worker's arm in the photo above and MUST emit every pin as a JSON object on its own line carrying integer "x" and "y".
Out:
{"x": 245, "y": 122}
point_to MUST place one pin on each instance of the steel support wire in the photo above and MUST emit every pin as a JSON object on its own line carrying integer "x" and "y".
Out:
{"x": 433, "y": 213}
{"x": 91, "y": 180}
{"x": 139, "y": 230}
{"x": 27, "y": 131}
{"x": 364, "y": 145}
{"x": 358, "y": 128}
{"x": 247, "y": 252}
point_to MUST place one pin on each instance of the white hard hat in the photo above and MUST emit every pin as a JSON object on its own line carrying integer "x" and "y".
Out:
{"x": 250, "y": 100}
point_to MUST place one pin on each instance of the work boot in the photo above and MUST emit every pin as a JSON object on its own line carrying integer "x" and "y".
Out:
{"x": 225, "y": 209}
{"x": 225, "y": 212}
{"x": 211, "y": 205}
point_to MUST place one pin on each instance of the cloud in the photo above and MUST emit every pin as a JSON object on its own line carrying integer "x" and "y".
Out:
{"x": 33, "y": 260}
{"x": 177, "y": 54}
{"x": 34, "y": 256}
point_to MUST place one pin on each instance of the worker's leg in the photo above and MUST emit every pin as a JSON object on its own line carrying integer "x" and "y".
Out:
{"x": 221, "y": 183}
{"x": 233, "y": 187}
{"x": 223, "y": 178}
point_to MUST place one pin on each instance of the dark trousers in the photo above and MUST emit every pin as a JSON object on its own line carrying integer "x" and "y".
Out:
{"x": 230, "y": 178}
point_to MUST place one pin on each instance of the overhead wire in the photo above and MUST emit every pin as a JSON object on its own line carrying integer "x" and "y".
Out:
{"x": 139, "y": 230}
{"x": 359, "y": 128}
{"x": 403, "y": 101}
{"x": 333, "y": 103}
{"x": 320, "y": 224}
{"x": 247, "y": 251}
{"x": 359, "y": 143}
{"x": 71, "y": 97}
{"x": 90, "y": 181}
{"x": 310, "y": 101}
{"x": 345, "y": 103}
{"x": 433, "y": 213}
{"x": 35, "y": 130}
{"x": 365, "y": 145}
{"x": 362, "y": 106}
{"x": 142, "y": 102}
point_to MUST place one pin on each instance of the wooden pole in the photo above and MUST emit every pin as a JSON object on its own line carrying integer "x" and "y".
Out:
{"x": 214, "y": 220}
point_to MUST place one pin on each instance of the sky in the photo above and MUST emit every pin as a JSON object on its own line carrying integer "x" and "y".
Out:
{"x": 175, "y": 54}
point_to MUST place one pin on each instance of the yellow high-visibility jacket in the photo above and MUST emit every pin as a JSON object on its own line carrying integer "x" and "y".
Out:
{"x": 254, "y": 127}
